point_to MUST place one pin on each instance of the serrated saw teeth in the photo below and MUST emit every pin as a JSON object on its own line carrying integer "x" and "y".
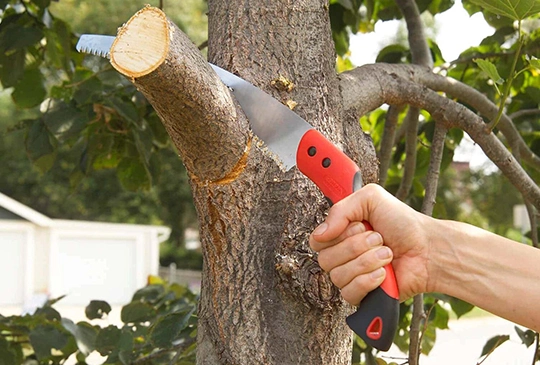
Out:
{"x": 97, "y": 45}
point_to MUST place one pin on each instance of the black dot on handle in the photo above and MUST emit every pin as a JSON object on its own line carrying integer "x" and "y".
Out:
{"x": 312, "y": 151}
{"x": 326, "y": 162}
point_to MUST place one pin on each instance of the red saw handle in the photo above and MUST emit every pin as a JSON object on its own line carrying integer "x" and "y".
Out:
{"x": 337, "y": 176}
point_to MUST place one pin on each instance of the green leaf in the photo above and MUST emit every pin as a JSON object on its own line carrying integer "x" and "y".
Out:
{"x": 493, "y": 343}
{"x": 394, "y": 53}
{"x": 125, "y": 347}
{"x": 513, "y": 9}
{"x": 527, "y": 337}
{"x": 341, "y": 42}
{"x": 16, "y": 36}
{"x": 58, "y": 49}
{"x": 440, "y": 317}
{"x": 39, "y": 147}
{"x": 136, "y": 312}
{"x": 167, "y": 328}
{"x": 133, "y": 175}
{"x": 150, "y": 293}
{"x": 49, "y": 313}
{"x": 534, "y": 62}
{"x": 107, "y": 340}
{"x": 84, "y": 333}
{"x": 490, "y": 70}
{"x": 126, "y": 109}
{"x": 65, "y": 121}
{"x": 45, "y": 338}
{"x": 144, "y": 143}
{"x": 97, "y": 309}
{"x": 7, "y": 355}
{"x": 42, "y": 3}
{"x": 29, "y": 90}
{"x": 12, "y": 68}
{"x": 460, "y": 307}
{"x": 61, "y": 93}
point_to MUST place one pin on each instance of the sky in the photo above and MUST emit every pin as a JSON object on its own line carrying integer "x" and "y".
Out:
{"x": 455, "y": 32}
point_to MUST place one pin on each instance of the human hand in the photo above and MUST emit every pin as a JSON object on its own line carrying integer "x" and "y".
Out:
{"x": 355, "y": 257}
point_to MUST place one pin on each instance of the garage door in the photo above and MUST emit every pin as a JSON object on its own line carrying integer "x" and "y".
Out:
{"x": 95, "y": 269}
{"x": 12, "y": 267}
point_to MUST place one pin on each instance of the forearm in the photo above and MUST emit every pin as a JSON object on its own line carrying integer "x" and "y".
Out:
{"x": 487, "y": 270}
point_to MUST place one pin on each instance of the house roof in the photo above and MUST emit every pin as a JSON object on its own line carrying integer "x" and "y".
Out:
{"x": 24, "y": 211}
{"x": 41, "y": 220}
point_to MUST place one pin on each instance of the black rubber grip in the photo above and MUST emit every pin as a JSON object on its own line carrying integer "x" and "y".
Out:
{"x": 376, "y": 319}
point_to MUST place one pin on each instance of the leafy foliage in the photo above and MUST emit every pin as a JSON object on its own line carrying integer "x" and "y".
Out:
{"x": 353, "y": 16}
{"x": 516, "y": 10}
{"x": 83, "y": 126}
{"x": 159, "y": 325}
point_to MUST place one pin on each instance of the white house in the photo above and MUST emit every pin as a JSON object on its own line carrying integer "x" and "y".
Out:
{"x": 84, "y": 260}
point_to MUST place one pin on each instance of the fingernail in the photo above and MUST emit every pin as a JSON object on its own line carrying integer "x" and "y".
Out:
{"x": 377, "y": 274}
{"x": 320, "y": 229}
{"x": 384, "y": 253}
{"x": 374, "y": 239}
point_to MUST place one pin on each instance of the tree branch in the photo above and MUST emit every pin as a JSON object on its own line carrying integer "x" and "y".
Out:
{"x": 454, "y": 88}
{"x": 388, "y": 140}
{"x": 196, "y": 108}
{"x": 411, "y": 138}
{"x": 432, "y": 182}
{"x": 390, "y": 88}
{"x": 485, "y": 107}
{"x": 437, "y": 149}
{"x": 524, "y": 113}
{"x": 421, "y": 54}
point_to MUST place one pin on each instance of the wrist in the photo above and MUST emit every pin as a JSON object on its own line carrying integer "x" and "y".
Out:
{"x": 443, "y": 236}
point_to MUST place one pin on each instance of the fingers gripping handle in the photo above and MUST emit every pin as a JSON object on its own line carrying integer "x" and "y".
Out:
{"x": 338, "y": 176}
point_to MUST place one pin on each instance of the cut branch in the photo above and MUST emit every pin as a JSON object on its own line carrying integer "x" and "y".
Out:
{"x": 194, "y": 105}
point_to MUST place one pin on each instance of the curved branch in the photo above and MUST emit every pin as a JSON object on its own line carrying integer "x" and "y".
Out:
{"x": 486, "y": 108}
{"x": 454, "y": 88}
{"x": 393, "y": 89}
{"x": 194, "y": 105}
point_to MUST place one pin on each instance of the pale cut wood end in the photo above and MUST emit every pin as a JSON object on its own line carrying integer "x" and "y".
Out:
{"x": 142, "y": 44}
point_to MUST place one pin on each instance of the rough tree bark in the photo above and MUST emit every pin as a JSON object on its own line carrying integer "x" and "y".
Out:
{"x": 264, "y": 298}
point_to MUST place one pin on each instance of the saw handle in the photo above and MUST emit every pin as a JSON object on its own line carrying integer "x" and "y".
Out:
{"x": 376, "y": 318}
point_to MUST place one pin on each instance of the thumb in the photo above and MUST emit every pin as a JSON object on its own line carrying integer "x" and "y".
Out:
{"x": 354, "y": 208}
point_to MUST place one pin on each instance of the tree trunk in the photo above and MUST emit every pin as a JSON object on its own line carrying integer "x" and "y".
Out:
{"x": 264, "y": 299}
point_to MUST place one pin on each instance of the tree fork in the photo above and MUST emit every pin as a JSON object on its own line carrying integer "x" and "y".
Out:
{"x": 264, "y": 298}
